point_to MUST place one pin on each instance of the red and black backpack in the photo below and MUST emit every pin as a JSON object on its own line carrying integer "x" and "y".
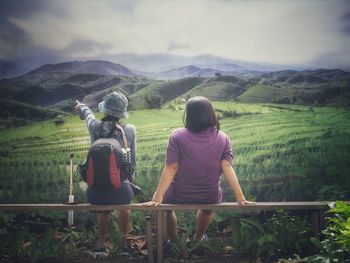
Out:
{"x": 104, "y": 167}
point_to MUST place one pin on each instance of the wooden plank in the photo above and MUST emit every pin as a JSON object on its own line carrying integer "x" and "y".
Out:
{"x": 263, "y": 206}
{"x": 161, "y": 209}
{"x": 80, "y": 206}
{"x": 260, "y": 206}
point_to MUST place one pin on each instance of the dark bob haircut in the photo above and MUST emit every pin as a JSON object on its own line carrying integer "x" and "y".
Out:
{"x": 200, "y": 115}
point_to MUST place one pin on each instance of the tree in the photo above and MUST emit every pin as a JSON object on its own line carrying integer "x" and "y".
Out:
{"x": 154, "y": 101}
{"x": 59, "y": 120}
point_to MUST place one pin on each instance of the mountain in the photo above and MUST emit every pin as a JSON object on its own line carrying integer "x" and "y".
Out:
{"x": 307, "y": 87}
{"x": 149, "y": 63}
{"x": 200, "y": 71}
{"x": 155, "y": 63}
{"x": 55, "y": 84}
{"x": 87, "y": 67}
{"x": 318, "y": 87}
{"x": 220, "y": 87}
{"x": 163, "y": 91}
{"x": 13, "y": 113}
{"x": 185, "y": 72}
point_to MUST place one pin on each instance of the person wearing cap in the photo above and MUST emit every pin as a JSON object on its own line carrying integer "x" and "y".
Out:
{"x": 114, "y": 108}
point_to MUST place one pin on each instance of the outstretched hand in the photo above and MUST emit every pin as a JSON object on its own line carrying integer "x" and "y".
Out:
{"x": 76, "y": 108}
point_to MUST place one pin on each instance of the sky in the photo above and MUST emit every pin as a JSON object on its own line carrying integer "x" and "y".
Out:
{"x": 278, "y": 32}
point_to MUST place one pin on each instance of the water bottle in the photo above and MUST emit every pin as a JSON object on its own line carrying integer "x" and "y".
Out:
{"x": 126, "y": 156}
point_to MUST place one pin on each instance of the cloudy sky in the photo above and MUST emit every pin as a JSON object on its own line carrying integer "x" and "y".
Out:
{"x": 281, "y": 32}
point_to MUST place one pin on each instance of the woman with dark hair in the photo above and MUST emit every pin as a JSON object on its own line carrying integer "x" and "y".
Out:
{"x": 195, "y": 158}
{"x": 114, "y": 108}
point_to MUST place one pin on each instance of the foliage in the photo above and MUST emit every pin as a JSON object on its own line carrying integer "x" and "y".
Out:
{"x": 21, "y": 244}
{"x": 281, "y": 154}
{"x": 281, "y": 234}
{"x": 186, "y": 247}
{"x": 115, "y": 235}
{"x": 154, "y": 101}
{"x": 335, "y": 245}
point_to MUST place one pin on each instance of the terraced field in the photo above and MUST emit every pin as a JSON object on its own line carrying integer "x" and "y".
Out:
{"x": 281, "y": 152}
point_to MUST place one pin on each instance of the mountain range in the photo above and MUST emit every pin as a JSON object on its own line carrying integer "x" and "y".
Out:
{"x": 147, "y": 63}
{"x": 57, "y": 85}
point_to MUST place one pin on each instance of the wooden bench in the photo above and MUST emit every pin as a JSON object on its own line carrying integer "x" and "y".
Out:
{"x": 315, "y": 209}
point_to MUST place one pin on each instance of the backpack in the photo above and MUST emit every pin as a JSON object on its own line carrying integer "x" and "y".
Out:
{"x": 106, "y": 163}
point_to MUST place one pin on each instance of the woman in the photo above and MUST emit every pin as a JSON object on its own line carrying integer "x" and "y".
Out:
{"x": 114, "y": 108}
{"x": 196, "y": 156}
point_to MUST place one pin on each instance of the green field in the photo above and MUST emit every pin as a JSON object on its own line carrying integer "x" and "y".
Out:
{"x": 282, "y": 152}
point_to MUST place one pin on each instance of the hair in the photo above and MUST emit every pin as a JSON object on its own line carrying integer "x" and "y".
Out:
{"x": 110, "y": 118}
{"x": 200, "y": 115}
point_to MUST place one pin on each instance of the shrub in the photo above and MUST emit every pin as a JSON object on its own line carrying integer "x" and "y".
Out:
{"x": 335, "y": 246}
{"x": 280, "y": 235}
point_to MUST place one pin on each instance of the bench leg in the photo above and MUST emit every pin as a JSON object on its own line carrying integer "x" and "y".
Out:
{"x": 165, "y": 225}
{"x": 149, "y": 239}
{"x": 159, "y": 236}
{"x": 315, "y": 220}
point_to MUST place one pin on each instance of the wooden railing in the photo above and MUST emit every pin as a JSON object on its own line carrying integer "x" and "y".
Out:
{"x": 314, "y": 208}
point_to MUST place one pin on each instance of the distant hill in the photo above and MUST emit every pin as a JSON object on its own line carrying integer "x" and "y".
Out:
{"x": 220, "y": 88}
{"x": 164, "y": 91}
{"x": 318, "y": 87}
{"x": 200, "y": 71}
{"x": 185, "y": 72}
{"x": 160, "y": 62}
{"x": 55, "y": 84}
{"x": 88, "y": 67}
{"x": 58, "y": 85}
{"x": 18, "y": 113}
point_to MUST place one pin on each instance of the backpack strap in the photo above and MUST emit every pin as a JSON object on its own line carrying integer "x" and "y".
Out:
{"x": 100, "y": 128}
{"x": 120, "y": 128}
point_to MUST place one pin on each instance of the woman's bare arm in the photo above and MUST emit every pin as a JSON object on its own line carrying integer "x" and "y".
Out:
{"x": 168, "y": 174}
{"x": 232, "y": 180}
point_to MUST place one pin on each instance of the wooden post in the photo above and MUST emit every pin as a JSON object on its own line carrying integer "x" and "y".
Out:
{"x": 315, "y": 220}
{"x": 165, "y": 225}
{"x": 149, "y": 238}
{"x": 159, "y": 236}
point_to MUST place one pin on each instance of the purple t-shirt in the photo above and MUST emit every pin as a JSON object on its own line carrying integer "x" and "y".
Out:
{"x": 199, "y": 157}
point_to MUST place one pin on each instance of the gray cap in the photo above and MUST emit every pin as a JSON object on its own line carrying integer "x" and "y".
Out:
{"x": 115, "y": 104}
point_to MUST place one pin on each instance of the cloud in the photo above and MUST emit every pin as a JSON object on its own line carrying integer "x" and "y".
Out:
{"x": 13, "y": 40}
{"x": 173, "y": 46}
{"x": 345, "y": 20}
{"x": 284, "y": 32}
{"x": 86, "y": 49}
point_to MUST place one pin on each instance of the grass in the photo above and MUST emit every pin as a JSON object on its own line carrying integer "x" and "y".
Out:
{"x": 219, "y": 88}
{"x": 278, "y": 144}
{"x": 168, "y": 90}
{"x": 261, "y": 93}
{"x": 282, "y": 153}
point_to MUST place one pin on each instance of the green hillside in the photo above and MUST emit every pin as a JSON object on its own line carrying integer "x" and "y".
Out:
{"x": 18, "y": 113}
{"x": 163, "y": 91}
{"x": 281, "y": 153}
{"x": 219, "y": 88}
{"x": 57, "y": 90}
{"x": 264, "y": 93}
